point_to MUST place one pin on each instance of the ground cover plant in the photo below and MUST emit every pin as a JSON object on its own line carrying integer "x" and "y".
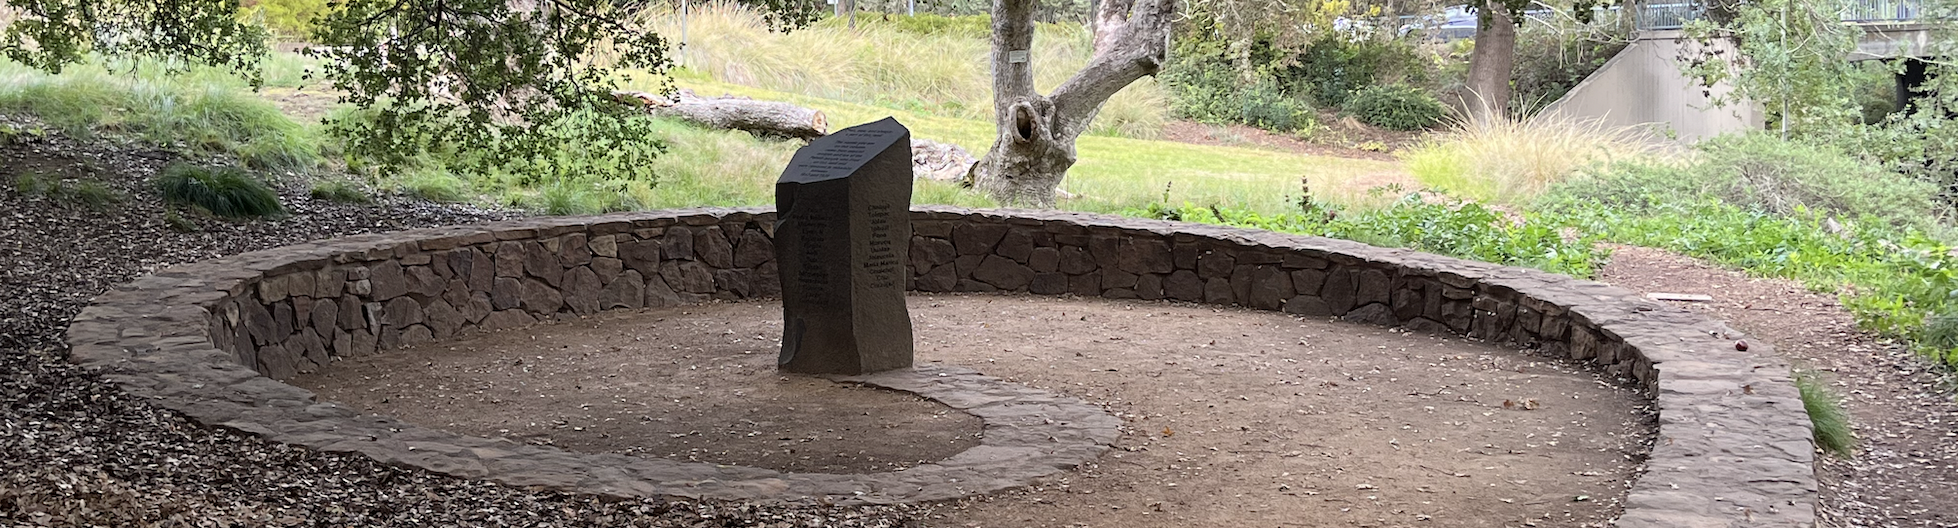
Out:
{"x": 228, "y": 192}
{"x": 200, "y": 112}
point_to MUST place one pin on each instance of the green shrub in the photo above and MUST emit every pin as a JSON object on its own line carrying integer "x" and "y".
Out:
{"x": 1764, "y": 173}
{"x": 966, "y": 26}
{"x": 1832, "y": 430}
{"x": 290, "y": 19}
{"x": 568, "y": 199}
{"x": 1204, "y": 87}
{"x": 1201, "y": 83}
{"x": 228, "y": 192}
{"x": 150, "y": 103}
{"x": 340, "y": 191}
{"x": 177, "y": 222}
{"x": 36, "y": 184}
{"x": 1262, "y": 105}
{"x": 1337, "y": 65}
{"x": 95, "y": 195}
{"x": 436, "y": 185}
{"x": 1462, "y": 229}
{"x": 1396, "y": 106}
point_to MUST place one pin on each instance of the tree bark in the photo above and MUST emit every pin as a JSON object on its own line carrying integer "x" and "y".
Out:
{"x": 1486, "y": 95}
{"x": 760, "y": 117}
{"x": 1035, "y": 146}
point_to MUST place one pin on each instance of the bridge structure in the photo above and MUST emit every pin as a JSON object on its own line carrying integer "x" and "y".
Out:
{"x": 1642, "y": 86}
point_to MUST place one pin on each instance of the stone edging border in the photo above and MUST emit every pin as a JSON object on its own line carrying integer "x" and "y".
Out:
{"x": 210, "y": 338}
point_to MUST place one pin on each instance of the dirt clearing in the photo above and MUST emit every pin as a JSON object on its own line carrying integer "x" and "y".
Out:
{"x": 1235, "y": 417}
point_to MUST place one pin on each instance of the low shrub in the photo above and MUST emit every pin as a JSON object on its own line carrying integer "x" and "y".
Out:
{"x": 1202, "y": 86}
{"x": 1764, "y": 173}
{"x": 436, "y": 185}
{"x": 1510, "y": 161}
{"x": 1832, "y": 429}
{"x": 151, "y": 104}
{"x": 36, "y": 184}
{"x": 1338, "y": 65}
{"x": 1396, "y": 106}
{"x": 1462, "y": 229}
{"x": 94, "y": 195}
{"x": 1262, "y": 105}
{"x": 570, "y": 199}
{"x": 340, "y": 191}
{"x": 228, "y": 192}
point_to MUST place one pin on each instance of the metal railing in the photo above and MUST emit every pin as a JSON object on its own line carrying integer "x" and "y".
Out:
{"x": 1883, "y": 11}
{"x": 1674, "y": 15}
{"x": 1668, "y": 15}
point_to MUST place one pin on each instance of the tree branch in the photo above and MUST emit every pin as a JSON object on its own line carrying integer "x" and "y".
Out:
{"x": 1136, "y": 47}
{"x": 1012, "y": 31}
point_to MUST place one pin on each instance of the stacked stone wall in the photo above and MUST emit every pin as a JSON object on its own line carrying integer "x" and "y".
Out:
{"x": 211, "y": 338}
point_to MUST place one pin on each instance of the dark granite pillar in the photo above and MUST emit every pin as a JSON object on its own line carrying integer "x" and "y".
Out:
{"x": 842, "y": 231}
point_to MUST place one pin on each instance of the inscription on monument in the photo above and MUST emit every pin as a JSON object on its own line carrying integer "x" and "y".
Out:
{"x": 842, "y": 228}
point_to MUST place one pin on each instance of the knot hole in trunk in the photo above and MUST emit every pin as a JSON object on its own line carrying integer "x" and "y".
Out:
{"x": 1023, "y": 122}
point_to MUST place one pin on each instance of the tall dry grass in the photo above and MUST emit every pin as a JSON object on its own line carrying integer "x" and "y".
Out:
{"x": 936, "y": 72}
{"x": 1511, "y": 161}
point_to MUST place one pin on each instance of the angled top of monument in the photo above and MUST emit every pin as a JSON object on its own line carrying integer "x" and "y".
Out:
{"x": 840, "y": 154}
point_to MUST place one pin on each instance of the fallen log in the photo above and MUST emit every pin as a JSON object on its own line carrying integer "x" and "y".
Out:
{"x": 759, "y": 117}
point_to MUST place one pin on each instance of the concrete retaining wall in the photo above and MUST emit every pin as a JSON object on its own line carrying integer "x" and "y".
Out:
{"x": 210, "y": 339}
{"x": 1641, "y": 86}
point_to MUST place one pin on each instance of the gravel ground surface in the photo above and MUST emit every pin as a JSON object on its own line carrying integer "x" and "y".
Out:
{"x": 76, "y": 451}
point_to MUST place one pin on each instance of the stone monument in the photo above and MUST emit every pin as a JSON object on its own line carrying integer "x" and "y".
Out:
{"x": 842, "y": 232}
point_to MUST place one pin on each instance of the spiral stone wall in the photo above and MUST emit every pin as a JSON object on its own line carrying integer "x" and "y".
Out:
{"x": 212, "y": 338}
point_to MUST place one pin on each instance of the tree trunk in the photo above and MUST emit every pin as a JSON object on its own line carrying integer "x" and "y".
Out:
{"x": 1487, "y": 94}
{"x": 767, "y": 118}
{"x": 1035, "y": 146}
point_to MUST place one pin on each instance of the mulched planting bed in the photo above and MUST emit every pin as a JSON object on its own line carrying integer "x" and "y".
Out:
{"x": 76, "y": 451}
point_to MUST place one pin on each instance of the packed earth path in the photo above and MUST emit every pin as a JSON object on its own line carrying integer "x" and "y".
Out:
{"x": 1905, "y": 469}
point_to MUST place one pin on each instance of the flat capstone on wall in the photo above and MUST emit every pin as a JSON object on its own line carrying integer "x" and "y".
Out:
{"x": 212, "y": 339}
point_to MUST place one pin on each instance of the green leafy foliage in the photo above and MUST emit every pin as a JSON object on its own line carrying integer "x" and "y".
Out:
{"x": 1789, "y": 61}
{"x": 485, "y": 79}
{"x": 51, "y": 34}
{"x": 340, "y": 191}
{"x": 1264, "y": 106}
{"x": 1205, "y": 88}
{"x": 1763, "y": 173}
{"x": 1396, "y": 106}
{"x": 94, "y": 195}
{"x": 228, "y": 192}
{"x": 1894, "y": 280}
{"x": 199, "y": 114}
{"x": 1461, "y": 229}
{"x": 435, "y": 185}
{"x": 285, "y": 18}
{"x": 1337, "y": 65}
{"x": 1825, "y": 413}
{"x": 976, "y": 26}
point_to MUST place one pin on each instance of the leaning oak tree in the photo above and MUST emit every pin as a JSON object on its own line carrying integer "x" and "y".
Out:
{"x": 494, "y": 85}
{"x": 50, "y": 34}
{"x": 1035, "y": 146}
{"x": 509, "y": 84}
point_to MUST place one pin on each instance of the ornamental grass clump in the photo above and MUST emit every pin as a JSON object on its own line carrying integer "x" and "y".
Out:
{"x": 228, "y": 192}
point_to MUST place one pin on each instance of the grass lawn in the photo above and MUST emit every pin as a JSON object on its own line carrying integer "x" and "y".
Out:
{"x": 1118, "y": 173}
